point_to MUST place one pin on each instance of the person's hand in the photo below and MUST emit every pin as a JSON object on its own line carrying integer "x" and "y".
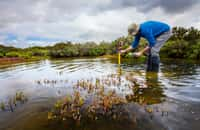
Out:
{"x": 137, "y": 54}
{"x": 122, "y": 51}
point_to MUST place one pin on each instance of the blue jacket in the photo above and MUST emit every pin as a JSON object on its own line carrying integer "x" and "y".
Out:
{"x": 150, "y": 30}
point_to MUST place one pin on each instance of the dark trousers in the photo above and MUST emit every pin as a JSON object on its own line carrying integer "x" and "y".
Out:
{"x": 153, "y": 62}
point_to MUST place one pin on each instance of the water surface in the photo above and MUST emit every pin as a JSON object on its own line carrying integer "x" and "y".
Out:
{"x": 173, "y": 93}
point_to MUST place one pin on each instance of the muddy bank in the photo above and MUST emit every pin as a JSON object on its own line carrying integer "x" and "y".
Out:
{"x": 11, "y": 60}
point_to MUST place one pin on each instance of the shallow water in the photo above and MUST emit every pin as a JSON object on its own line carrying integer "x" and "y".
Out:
{"x": 174, "y": 92}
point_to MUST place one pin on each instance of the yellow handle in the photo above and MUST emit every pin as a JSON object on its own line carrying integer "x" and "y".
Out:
{"x": 119, "y": 58}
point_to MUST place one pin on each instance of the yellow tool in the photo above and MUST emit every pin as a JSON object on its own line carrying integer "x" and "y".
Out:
{"x": 119, "y": 46}
{"x": 119, "y": 58}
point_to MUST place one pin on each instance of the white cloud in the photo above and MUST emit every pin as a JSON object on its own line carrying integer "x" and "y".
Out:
{"x": 80, "y": 21}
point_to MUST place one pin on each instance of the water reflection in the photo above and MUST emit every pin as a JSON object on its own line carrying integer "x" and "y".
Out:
{"x": 180, "y": 69}
{"x": 181, "y": 79}
{"x": 149, "y": 93}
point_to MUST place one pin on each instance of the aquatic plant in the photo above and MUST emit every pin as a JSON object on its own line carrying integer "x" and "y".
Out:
{"x": 98, "y": 103}
{"x": 19, "y": 96}
{"x": 51, "y": 82}
{"x": 100, "y": 98}
{"x": 12, "y": 102}
{"x": 10, "y": 105}
{"x": 149, "y": 109}
{"x": 76, "y": 107}
{"x": 2, "y": 106}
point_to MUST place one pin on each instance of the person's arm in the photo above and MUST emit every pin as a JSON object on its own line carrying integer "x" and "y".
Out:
{"x": 152, "y": 41}
{"x": 134, "y": 44}
{"x": 126, "y": 50}
{"x": 136, "y": 41}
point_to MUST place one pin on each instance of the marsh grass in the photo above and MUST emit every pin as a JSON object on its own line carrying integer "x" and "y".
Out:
{"x": 13, "y": 102}
{"x": 93, "y": 100}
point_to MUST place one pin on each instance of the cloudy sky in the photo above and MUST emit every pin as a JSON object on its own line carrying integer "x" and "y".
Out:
{"x": 41, "y": 22}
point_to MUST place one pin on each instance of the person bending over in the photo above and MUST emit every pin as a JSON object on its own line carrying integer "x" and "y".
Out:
{"x": 156, "y": 33}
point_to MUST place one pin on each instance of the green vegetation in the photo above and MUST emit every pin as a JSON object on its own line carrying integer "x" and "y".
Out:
{"x": 88, "y": 49}
{"x": 1, "y": 55}
{"x": 12, "y": 54}
{"x": 185, "y": 43}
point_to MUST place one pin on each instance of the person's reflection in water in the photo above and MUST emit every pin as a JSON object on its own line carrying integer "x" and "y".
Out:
{"x": 152, "y": 93}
